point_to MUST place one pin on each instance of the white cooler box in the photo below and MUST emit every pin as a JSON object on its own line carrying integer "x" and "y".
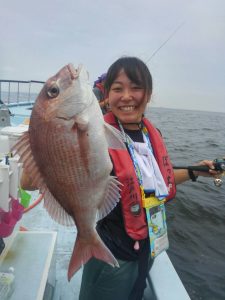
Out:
{"x": 13, "y": 134}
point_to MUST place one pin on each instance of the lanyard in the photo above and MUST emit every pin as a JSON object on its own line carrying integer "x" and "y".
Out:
{"x": 132, "y": 153}
{"x": 154, "y": 208}
{"x": 145, "y": 132}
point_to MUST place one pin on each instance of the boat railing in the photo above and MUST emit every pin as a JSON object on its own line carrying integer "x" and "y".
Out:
{"x": 15, "y": 92}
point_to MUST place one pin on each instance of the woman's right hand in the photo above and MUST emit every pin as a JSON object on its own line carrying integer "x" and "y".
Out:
{"x": 26, "y": 182}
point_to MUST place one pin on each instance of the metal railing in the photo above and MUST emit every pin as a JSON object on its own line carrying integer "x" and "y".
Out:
{"x": 11, "y": 91}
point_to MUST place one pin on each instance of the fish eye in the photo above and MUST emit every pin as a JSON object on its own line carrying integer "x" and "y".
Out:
{"x": 53, "y": 91}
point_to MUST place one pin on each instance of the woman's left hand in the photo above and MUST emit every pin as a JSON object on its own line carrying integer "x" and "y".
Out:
{"x": 211, "y": 173}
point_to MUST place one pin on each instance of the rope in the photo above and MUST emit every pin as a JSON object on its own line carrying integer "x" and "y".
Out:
{"x": 35, "y": 203}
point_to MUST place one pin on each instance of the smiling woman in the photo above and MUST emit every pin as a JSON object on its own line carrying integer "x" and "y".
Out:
{"x": 129, "y": 91}
{"x": 135, "y": 230}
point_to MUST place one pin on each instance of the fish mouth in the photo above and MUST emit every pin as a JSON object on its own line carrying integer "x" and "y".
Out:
{"x": 74, "y": 73}
{"x": 64, "y": 118}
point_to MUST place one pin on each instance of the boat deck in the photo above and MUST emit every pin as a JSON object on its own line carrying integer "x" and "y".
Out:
{"x": 38, "y": 219}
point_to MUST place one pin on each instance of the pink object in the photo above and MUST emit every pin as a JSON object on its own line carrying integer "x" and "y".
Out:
{"x": 136, "y": 246}
{"x": 9, "y": 219}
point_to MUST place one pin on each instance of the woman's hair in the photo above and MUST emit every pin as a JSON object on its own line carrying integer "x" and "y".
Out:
{"x": 135, "y": 69}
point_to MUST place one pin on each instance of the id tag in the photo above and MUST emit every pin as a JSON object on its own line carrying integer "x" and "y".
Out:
{"x": 157, "y": 228}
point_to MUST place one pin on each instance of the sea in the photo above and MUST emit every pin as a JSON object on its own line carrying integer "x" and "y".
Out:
{"x": 196, "y": 217}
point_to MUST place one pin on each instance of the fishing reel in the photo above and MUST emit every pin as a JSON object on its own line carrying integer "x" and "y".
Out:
{"x": 219, "y": 165}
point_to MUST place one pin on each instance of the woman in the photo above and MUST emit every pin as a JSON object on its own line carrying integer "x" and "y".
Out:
{"x": 135, "y": 230}
{"x": 145, "y": 171}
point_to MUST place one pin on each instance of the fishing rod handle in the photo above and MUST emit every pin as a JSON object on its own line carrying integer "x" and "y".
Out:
{"x": 193, "y": 168}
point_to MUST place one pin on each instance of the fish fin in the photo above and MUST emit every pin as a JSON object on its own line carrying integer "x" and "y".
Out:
{"x": 114, "y": 137}
{"x": 56, "y": 211}
{"x": 84, "y": 250}
{"x": 23, "y": 149}
{"x": 112, "y": 197}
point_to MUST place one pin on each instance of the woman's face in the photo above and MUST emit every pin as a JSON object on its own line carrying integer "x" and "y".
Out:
{"x": 127, "y": 101}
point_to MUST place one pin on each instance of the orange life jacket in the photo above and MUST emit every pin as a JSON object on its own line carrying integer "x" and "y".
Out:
{"x": 133, "y": 212}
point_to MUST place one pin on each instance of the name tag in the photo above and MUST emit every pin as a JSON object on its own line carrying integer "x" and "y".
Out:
{"x": 156, "y": 219}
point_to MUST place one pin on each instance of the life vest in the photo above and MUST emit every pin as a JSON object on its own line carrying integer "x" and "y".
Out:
{"x": 133, "y": 212}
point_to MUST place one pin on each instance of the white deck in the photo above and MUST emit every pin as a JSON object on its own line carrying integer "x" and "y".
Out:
{"x": 30, "y": 255}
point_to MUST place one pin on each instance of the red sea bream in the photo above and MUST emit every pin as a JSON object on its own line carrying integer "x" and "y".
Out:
{"x": 65, "y": 153}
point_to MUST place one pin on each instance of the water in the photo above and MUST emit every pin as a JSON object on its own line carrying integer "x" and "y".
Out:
{"x": 196, "y": 218}
{"x": 14, "y": 97}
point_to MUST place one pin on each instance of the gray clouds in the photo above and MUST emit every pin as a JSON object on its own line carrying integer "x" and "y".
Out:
{"x": 38, "y": 38}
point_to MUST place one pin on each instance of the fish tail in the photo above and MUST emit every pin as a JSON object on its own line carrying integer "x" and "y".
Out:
{"x": 84, "y": 250}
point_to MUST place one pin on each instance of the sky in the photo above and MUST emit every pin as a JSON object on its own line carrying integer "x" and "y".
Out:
{"x": 182, "y": 42}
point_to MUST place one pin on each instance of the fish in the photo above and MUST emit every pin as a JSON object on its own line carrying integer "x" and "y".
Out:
{"x": 66, "y": 153}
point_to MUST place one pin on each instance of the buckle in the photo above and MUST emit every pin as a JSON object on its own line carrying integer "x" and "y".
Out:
{"x": 149, "y": 199}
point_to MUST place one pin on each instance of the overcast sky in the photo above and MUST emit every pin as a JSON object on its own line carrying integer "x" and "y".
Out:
{"x": 187, "y": 37}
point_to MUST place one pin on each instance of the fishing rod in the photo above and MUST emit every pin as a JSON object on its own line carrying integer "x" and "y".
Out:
{"x": 163, "y": 44}
{"x": 219, "y": 165}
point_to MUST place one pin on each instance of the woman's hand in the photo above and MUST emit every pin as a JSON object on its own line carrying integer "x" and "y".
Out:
{"x": 26, "y": 182}
{"x": 211, "y": 173}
